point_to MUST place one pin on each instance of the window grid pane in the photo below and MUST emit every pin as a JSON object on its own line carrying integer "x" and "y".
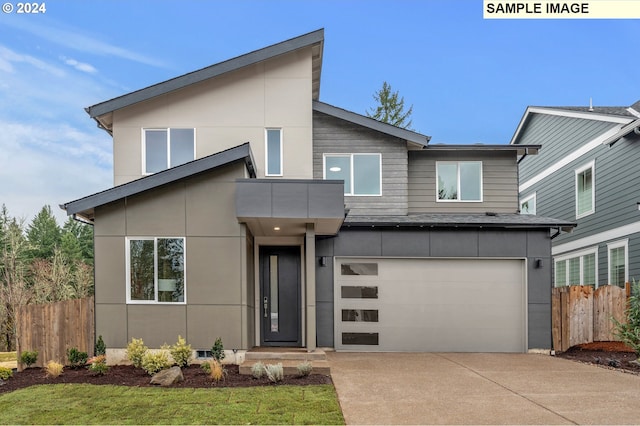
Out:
{"x": 585, "y": 191}
{"x": 447, "y": 181}
{"x": 170, "y": 269}
{"x": 470, "y": 181}
{"x": 274, "y": 152}
{"x": 366, "y": 174}
{"x": 574, "y": 271}
{"x": 339, "y": 168}
{"x": 617, "y": 266}
{"x": 181, "y": 142}
{"x": 561, "y": 273}
{"x": 155, "y": 150}
{"x": 589, "y": 269}
{"x": 141, "y": 269}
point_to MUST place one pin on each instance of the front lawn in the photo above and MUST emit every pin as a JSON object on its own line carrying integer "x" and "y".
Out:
{"x": 106, "y": 404}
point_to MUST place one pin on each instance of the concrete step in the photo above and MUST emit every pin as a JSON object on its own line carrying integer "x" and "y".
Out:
{"x": 290, "y": 366}
{"x": 300, "y": 354}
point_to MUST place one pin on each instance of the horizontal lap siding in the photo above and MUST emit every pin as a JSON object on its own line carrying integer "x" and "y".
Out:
{"x": 332, "y": 135}
{"x": 500, "y": 185}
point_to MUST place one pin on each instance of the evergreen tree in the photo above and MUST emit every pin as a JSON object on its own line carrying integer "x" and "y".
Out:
{"x": 390, "y": 108}
{"x": 77, "y": 241}
{"x": 44, "y": 234}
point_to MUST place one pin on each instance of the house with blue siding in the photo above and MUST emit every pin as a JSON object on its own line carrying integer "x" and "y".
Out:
{"x": 588, "y": 171}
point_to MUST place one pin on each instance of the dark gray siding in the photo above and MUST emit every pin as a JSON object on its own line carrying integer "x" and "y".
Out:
{"x": 332, "y": 135}
{"x": 499, "y": 185}
{"x": 559, "y": 136}
{"x": 530, "y": 244}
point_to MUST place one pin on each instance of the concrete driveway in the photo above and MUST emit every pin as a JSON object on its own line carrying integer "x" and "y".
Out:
{"x": 461, "y": 388}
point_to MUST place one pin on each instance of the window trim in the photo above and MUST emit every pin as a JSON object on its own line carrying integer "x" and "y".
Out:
{"x": 266, "y": 151}
{"x": 613, "y": 245}
{"x": 351, "y": 170}
{"x": 457, "y": 163}
{"x": 530, "y": 197}
{"x": 590, "y": 165}
{"x": 579, "y": 254}
{"x": 168, "y": 130}
{"x": 127, "y": 272}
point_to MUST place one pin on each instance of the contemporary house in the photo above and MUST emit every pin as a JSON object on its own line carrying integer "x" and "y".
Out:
{"x": 586, "y": 172}
{"x": 246, "y": 208}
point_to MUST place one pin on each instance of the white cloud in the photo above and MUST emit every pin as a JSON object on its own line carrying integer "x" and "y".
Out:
{"x": 80, "y": 66}
{"x": 9, "y": 57}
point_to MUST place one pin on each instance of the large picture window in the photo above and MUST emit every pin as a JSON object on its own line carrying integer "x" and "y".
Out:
{"x": 166, "y": 148}
{"x": 577, "y": 268}
{"x": 618, "y": 261}
{"x": 155, "y": 270}
{"x": 585, "y": 190}
{"x": 459, "y": 180}
{"x": 361, "y": 173}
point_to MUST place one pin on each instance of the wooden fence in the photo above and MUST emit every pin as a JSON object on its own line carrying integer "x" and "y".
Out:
{"x": 52, "y": 328}
{"x": 582, "y": 314}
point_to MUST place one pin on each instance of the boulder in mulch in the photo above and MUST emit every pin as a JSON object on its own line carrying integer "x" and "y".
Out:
{"x": 167, "y": 377}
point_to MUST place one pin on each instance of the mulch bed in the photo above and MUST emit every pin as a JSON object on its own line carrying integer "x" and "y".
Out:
{"x": 126, "y": 375}
{"x": 612, "y": 355}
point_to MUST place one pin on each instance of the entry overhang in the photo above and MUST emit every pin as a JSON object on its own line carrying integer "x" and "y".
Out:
{"x": 274, "y": 207}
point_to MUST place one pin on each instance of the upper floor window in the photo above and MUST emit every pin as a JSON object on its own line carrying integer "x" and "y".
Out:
{"x": 528, "y": 204}
{"x": 459, "y": 180}
{"x": 576, "y": 268}
{"x": 585, "y": 190}
{"x": 361, "y": 173}
{"x": 156, "y": 270}
{"x": 166, "y": 148}
{"x": 618, "y": 261}
{"x": 273, "y": 150}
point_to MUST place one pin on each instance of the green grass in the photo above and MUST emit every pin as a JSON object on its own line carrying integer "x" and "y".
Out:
{"x": 7, "y": 356}
{"x": 92, "y": 404}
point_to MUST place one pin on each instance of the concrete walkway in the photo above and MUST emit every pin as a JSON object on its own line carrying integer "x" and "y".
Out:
{"x": 407, "y": 388}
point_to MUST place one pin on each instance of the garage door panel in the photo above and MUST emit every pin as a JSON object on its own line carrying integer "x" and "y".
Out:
{"x": 458, "y": 305}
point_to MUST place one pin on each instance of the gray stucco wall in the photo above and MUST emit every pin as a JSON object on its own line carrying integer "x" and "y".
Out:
{"x": 530, "y": 244}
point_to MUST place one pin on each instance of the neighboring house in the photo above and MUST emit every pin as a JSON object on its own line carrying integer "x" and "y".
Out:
{"x": 245, "y": 208}
{"x": 587, "y": 172}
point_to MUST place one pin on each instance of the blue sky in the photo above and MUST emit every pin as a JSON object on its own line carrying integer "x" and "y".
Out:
{"x": 469, "y": 79}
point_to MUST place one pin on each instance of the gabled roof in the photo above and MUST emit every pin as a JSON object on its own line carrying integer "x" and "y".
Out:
{"x": 370, "y": 123}
{"x": 315, "y": 39}
{"x": 86, "y": 205}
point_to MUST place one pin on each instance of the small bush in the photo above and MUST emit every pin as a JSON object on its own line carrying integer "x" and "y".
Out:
{"x": 98, "y": 365}
{"x": 136, "y": 351}
{"x": 101, "y": 348}
{"x": 629, "y": 332}
{"x": 274, "y": 372}
{"x": 181, "y": 353}
{"x": 257, "y": 370}
{"x": 5, "y": 373}
{"x": 29, "y": 358}
{"x": 217, "y": 351}
{"x": 152, "y": 362}
{"x": 304, "y": 369}
{"x": 53, "y": 369}
{"x": 76, "y": 358}
{"x": 216, "y": 371}
{"x": 206, "y": 367}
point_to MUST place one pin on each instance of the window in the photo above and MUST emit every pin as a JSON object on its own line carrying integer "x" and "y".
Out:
{"x": 528, "y": 205}
{"x": 359, "y": 269}
{"x": 273, "y": 139}
{"x": 155, "y": 270}
{"x": 576, "y": 268}
{"x": 459, "y": 180}
{"x": 618, "y": 261}
{"x": 361, "y": 173}
{"x": 585, "y": 190}
{"x": 166, "y": 148}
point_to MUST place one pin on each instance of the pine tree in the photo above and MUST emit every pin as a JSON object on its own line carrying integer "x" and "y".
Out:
{"x": 390, "y": 108}
{"x": 77, "y": 241}
{"x": 44, "y": 234}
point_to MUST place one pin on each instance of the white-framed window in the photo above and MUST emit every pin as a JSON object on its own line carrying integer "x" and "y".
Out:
{"x": 273, "y": 150}
{"x": 459, "y": 181}
{"x": 577, "y": 268}
{"x": 585, "y": 190}
{"x": 166, "y": 148}
{"x": 155, "y": 269}
{"x": 361, "y": 173}
{"x": 618, "y": 259}
{"x": 528, "y": 204}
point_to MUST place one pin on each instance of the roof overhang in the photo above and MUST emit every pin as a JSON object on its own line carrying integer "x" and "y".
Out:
{"x": 634, "y": 127}
{"x": 518, "y": 149}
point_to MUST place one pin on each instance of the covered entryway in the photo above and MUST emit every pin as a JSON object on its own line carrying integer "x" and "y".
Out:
{"x": 430, "y": 305}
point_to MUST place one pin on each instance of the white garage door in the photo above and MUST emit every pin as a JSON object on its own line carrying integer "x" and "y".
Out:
{"x": 430, "y": 305}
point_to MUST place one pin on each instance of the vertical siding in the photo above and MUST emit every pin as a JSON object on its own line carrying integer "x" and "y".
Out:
{"x": 332, "y": 135}
{"x": 499, "y": 184}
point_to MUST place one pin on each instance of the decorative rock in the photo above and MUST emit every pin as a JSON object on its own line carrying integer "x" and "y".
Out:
{"x": 614, "y": 363}
{"x": 635, "y": 362}
{"x": 1, "y": 382}
{"x": 167, "y": 377}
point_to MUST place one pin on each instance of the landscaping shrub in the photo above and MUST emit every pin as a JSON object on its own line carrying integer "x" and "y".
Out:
{"x": 304, "y": 368}
{"x": 217, "y": 351}
{"x": 274, "y": 372}
{"x": 136, "y": 351}
{"x": 257, "y": 370}
{"x": 216, "y": 370}
{"x": 53, "y": 369}
{"x": 76, "y": 358}
{"x": 29, "y": 358}
{"x": 181, "y": 353}
{"x": 5, "y": 373}
{"x": 98, "y": 365}
{"x": 101, "y": 348}
{"x": 629, "y": 332}
{"x": 152, "y": 362}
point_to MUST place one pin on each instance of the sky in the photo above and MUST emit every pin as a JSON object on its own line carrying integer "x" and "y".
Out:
{"x": 469, "y": 79}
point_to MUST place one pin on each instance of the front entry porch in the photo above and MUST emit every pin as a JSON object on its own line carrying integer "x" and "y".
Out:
{"x": 290, "y": 358}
